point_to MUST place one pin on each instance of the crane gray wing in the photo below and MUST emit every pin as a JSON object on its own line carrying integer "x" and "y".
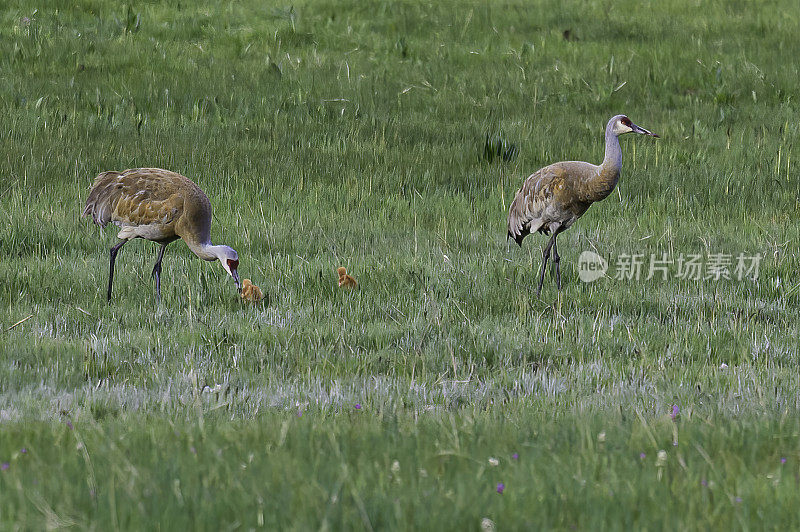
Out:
{"x": 534, "y": 204}
{"x": 103, "y": 196}
{"x": 133, "y": 197}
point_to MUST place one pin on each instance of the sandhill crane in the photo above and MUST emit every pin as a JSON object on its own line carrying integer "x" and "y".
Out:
{"x": 161, "y": 206}
{"x": 551, "y": 199}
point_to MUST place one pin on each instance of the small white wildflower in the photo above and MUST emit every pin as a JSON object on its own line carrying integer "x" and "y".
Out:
{"x": 487, "y": 524}
{"x": 494, "y": 462}
{"x": 661, "y": 459}
{"x": 601, "y": 437}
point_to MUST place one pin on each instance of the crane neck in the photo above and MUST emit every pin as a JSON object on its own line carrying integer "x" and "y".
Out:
{"x": 608, "y": 171}
{"x": 612, "y": 162}
{"x": 207, "y": 250}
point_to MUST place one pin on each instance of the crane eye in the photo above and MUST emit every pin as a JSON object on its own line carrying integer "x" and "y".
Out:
{"x": 233, "y": 264}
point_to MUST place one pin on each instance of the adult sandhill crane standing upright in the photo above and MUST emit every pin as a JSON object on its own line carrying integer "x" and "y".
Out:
{"x": 551, "y": 199}
{"x": 161, "y": 206}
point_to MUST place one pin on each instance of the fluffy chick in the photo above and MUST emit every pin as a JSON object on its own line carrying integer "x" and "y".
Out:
{"x": 345, "y": 280}
{"x": 251, "y": 292}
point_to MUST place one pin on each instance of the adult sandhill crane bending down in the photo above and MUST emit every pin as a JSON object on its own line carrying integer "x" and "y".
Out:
{"x": 555, "y": 196}
{"x": 161, "y": 206}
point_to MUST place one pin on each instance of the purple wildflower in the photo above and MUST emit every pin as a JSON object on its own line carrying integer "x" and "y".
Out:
{"x": 642, "y": 456}
{"x": 358, "y": 406}
{"x": 4, "y": 466}
{"x": 783, "y": 460}
{"x": 704, "y": 483}
{"x": 194, "y": 451}
{"x": 515, "y": 456}
{"x": 24, "y": 450}
{"x": 675, "y": 412}
{"x": 500, "y": 487}
{"x": 738, "y": 499}
{"x": 69, "y": 424}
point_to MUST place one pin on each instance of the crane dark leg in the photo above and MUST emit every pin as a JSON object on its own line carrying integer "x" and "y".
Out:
{"x": 157, "y": 271}
{"x": 557, "y": 261}
{"x": 114, "y": 251}
{"x": 545, "y": 256}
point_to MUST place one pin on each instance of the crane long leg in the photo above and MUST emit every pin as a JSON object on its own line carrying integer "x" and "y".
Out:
{"x": 556, "y": 261}
{"x": 545, "y": 256}
{"x": 157, "y": 271}
{"x": 114, "y": 251}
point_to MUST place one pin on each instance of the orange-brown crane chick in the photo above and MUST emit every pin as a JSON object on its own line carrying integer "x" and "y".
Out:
{"x": 161, "y": 206}
{"x": 251, "y": 292}
{"x": 550, "y": 200}
{"x": 345, "y": 280}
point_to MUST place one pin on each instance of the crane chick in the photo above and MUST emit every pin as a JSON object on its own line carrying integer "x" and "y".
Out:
{"x": 251, "y": 292}
{"x": 551, "y": 199}
{"x": 161, "y": 206}
{"x": 345, "y": 280}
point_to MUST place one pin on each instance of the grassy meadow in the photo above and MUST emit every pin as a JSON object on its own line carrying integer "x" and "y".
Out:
{"x": 390, "y": 138}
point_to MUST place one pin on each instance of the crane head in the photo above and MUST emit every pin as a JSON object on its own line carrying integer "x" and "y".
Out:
{"x": 230, "y": 261}
{"x": 622, "y": 124}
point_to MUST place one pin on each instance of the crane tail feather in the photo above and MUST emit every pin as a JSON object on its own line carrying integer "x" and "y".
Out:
{"x": 103, "y": 196}
{"x": 517, "y": 237}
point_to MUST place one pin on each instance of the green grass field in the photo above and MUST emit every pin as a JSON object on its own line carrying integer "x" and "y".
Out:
{"x": 362, "y": 134}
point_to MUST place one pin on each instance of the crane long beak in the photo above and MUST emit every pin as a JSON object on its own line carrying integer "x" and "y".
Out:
{"x": 235, "y": 275}
{"x": 643, "y": 131}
